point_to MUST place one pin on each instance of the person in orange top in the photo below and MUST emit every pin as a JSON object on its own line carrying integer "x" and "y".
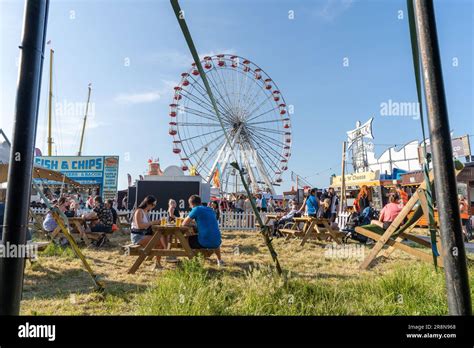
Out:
{"x": 464, "y": 212}
{"x": 402, "y": 194}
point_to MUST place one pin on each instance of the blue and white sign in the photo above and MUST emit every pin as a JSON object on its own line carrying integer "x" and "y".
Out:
{"x": 86, "y": 170}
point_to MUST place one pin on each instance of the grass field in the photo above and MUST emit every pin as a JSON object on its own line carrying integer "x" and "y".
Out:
{"x": 321, "y": 280}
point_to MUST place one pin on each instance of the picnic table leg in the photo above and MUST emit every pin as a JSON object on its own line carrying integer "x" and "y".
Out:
{"x": 307, "y": 232}
{"x": 333, "y": 233}
{"x": 82, "y": 232}
{"x": 146, "y": 250}
{"x": 185, "y": 244}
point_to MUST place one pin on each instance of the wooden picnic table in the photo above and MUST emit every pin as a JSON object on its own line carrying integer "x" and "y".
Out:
{"x": 123, "y": 221}
{"x": 78, "y": 225}
{"x": 312, "y": 228}
{"x": 179, "y": 247}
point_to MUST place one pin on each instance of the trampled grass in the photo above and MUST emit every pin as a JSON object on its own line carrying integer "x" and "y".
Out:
{"x": 321, "y": 280}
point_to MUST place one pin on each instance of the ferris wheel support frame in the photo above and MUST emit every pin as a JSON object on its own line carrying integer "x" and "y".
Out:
{"x": 222, "y": 152}
{"x": 261, "y": 168}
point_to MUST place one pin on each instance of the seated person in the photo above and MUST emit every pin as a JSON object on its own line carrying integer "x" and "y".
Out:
{"x": 294, "y": 212}
{"x": 389, "y": 212}
{"x": 141, "y": 231}
{"x": 101, "y": 216}
{"x": 172, "y": 211}
{"x": 110, "y": 205}
{"x": 49, "y": 224}
{"x": 208, "y": 233}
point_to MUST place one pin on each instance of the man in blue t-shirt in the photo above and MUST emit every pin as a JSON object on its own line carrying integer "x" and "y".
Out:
{"x": 208, "y": 233}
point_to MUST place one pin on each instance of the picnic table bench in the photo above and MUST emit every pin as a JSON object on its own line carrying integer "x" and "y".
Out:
{"x": 315, "y": 228}
{"x": 78, "y": 226}
{"x": 178, "y": 247}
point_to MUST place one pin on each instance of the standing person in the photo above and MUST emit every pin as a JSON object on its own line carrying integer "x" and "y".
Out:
{"x": 311, "y": 203}
{"x": 239, "y": 204}
{"x": 264, "y": 204}
{"x": 362, "y": 201}
{"x": 215, "y": 207}
{"x": 172, "y": 211}
{"x": 271, "y": 205}
{"x": 402, "y": 194}
{"x": 208, "y": 233}
{"x": 331, "y": 212}
{"x": 141, "y": 231}
{"x": 258, "y": 202}
{"x": 464, "y": 212}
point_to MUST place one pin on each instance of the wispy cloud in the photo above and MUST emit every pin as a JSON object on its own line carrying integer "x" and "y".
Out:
{"x": 333, "y": 8}
{"x": 138, "y": 98}
{"x": 164, "y": 91}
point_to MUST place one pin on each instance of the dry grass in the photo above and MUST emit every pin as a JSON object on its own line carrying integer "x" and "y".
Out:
{"x": 60, "y": 285}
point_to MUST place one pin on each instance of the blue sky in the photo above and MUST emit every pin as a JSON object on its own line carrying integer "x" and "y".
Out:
{"x": 133, "y": 52}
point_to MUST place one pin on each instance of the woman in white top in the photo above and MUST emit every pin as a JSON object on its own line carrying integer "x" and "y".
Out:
{"x": 141, "y": 231}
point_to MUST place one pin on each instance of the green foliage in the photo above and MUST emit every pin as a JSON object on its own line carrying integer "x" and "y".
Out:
{"x": 54, "y": 249}
{"x": 192, "y": 290}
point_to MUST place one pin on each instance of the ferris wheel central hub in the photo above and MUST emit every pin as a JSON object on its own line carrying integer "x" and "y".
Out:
{"x": 253, "y": 114}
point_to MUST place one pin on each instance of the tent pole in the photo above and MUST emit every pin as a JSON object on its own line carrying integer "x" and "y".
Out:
{"x": 454, "y": 258}
{"x": 21, "y": 155}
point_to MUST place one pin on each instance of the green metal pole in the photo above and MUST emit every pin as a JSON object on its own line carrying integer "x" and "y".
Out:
{"x": 184, "y": 28}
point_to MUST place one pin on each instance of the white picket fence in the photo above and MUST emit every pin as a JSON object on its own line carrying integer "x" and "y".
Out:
{"x": 228, "y": 220}
{"x": 341, "y": 219}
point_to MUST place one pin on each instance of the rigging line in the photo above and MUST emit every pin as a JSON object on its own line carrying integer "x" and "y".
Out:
{"x": 266, "y": 112}
{"x": 334, "y": 166}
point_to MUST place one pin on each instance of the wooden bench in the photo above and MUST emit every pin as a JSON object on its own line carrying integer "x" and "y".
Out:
{"x": 178, "y": 247}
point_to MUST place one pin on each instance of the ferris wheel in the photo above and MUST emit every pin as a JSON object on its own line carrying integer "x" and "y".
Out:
{"x": 255, "y": 118}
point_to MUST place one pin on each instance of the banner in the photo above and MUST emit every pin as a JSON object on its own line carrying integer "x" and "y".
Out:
{"x": 86, "y": 170}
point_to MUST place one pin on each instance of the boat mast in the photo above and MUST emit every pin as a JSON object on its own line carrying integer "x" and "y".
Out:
{"x": 85, "y": 119}
{"x": 50, "y": 139}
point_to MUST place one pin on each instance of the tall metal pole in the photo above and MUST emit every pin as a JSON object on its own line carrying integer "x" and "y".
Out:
{"x": 50, "y": 103}
{"x": 21, "y": 156}
{"x": 343, "y": 178}
{"x": 454, "y": 257}
{"x": 85, "y": 120}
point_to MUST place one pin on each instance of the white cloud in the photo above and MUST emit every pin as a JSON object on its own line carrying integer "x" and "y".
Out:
{"x": 333, "y": 8}
{"x": 163, "y": 92}
{"x": 138, "y": 98}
